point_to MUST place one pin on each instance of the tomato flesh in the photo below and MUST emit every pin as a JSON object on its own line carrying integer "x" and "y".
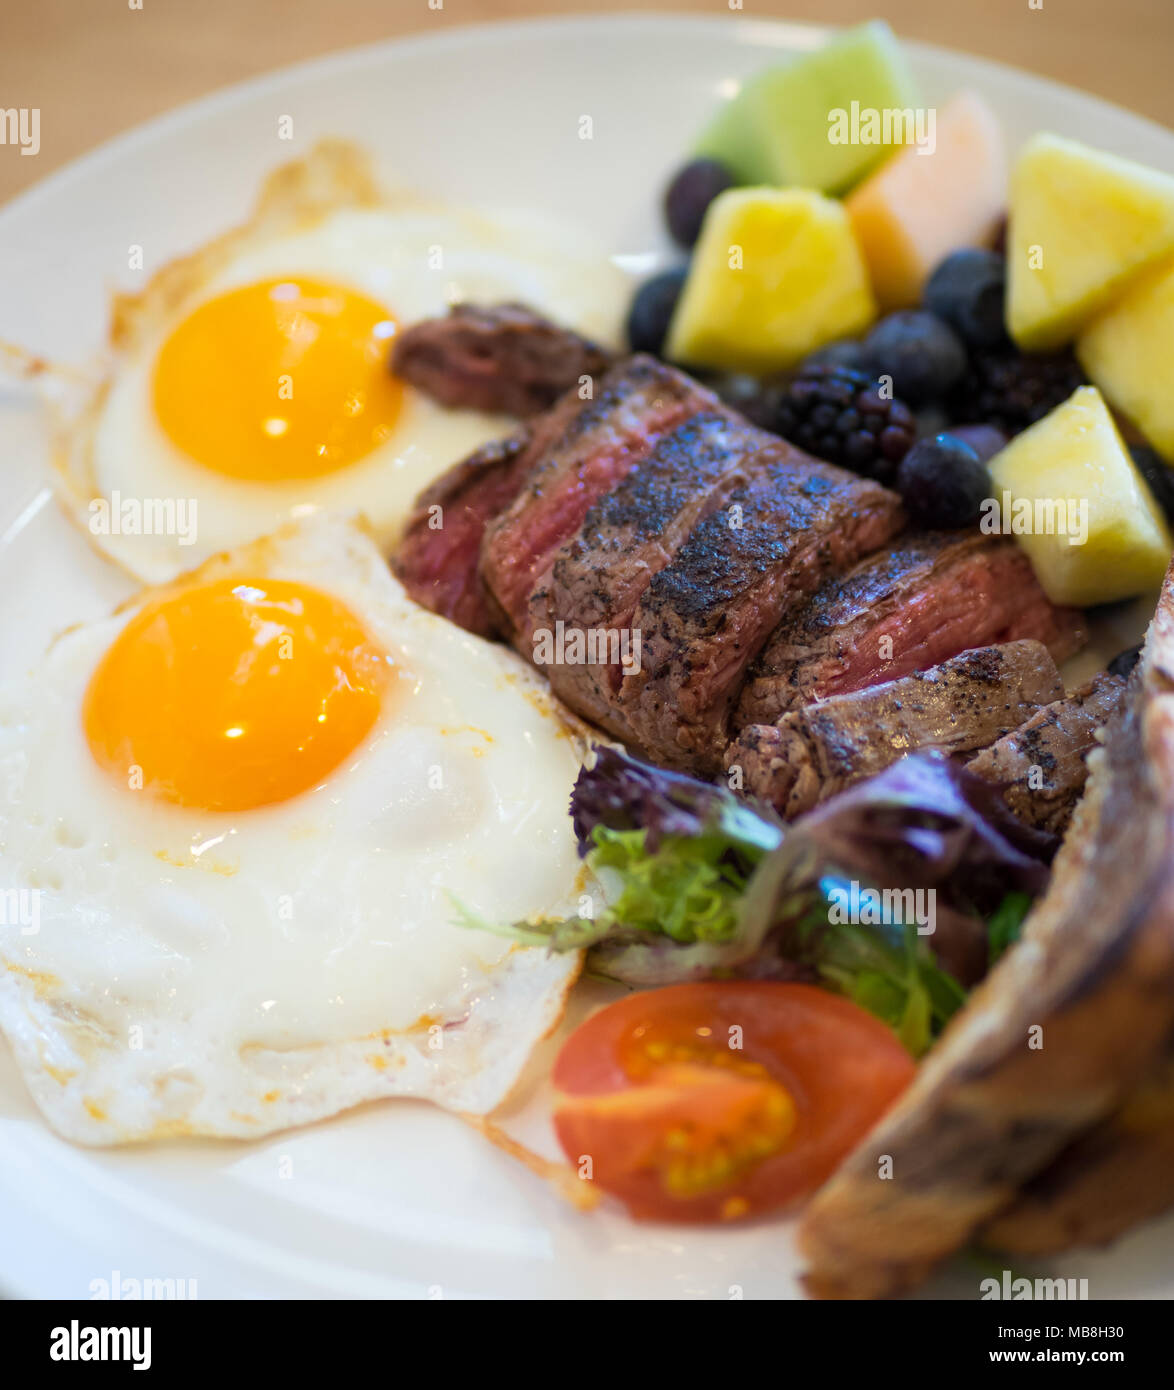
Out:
{"x": 717, "y": 1101}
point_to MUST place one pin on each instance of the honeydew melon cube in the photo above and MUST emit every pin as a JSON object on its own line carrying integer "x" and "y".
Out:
{"x": 1083, "y": 224}
{"x": 922, "y": 204}
{"x": 779, "y": 128}
{"x": 1073, "y": 455}
{"x": 1127, "y": 352}
{"x": 775, "y": 274}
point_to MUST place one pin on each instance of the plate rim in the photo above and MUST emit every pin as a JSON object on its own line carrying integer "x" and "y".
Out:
{"x": 765, "y": 32}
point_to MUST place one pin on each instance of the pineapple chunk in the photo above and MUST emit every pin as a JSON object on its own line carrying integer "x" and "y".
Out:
{"x": 1127, "y": 353}
{"x": 775, "y": 274}
{"x": 1074, "y": 458}
{"x": 1082, "y": 225}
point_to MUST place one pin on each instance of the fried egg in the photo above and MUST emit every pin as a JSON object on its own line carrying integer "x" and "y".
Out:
{"x": 240, "y": 820}
{"x": 249, "y": 383}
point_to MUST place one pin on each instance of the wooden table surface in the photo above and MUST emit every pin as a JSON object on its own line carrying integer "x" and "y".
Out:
{"x": 97, "y": 67}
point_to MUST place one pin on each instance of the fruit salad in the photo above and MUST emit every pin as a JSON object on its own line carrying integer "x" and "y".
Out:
{"x": 874, "y": 281}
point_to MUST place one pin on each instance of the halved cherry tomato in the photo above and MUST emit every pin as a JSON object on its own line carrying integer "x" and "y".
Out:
{"x": 712, "y": 1102}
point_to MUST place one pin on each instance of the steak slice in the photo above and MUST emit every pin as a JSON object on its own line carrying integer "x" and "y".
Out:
{"x": 1068, "y": 1023}
{"x": 963, "y": 704}
{"x": 1042, "y": 763}
{"x": 919, "y": 602}
{"x": 790, "y": 523}
{"x": 630, "y": 534}
{"x": 602, "y": 440}
{"x": 503, "y": 359}
{"x": 437, "y": 556}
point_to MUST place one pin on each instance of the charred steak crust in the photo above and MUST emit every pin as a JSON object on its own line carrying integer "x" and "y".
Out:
{"x": 1092, "y": 981}
{"x": 1042, "y": 764}
{"x": 630, "y": 534}
{"x": 705, "y": 617}
{"x": 503, "y": 359}
{"x": 918, "y": 603}
{"x": 599, "y": 442}
{"x": 957, "y": 706}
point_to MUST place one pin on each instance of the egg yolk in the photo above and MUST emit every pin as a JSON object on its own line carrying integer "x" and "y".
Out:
{"x": 277, "y": 381}
{"x": 235, "y": 694}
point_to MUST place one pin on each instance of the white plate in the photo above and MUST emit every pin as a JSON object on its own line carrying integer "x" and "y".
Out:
{"x": 397, "y": 1199}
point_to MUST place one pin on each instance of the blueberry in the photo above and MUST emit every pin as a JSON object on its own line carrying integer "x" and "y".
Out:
{"x": 692, "y": 190}
{"x": 943, "y": 482}
{"x": 1158, "y": 475}
{"x": 846, "y": 353}
{"x": 1125, "y": 661}
{"x": 985, "y": 440}
{"x": 652, "y": 308}
{"x": 920, "y": 352}
{"x": 967, "y": 290}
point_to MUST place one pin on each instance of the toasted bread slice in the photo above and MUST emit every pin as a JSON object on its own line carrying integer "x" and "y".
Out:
{"x": 1104, "y": 1182}
{"x": 1050, "y": 1044}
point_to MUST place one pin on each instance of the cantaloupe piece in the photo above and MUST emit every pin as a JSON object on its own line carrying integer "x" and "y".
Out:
{"x": 776, "y": 130}
{"x": 1073, "y": 455}
{"x": 1083, "y": 224}
{"x": 1127, "y": 352}
{"x": 919, "y": 207}
{"x": 775, "y": 274}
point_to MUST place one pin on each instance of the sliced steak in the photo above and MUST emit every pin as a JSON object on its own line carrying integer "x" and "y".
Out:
{"x": 790, "y": 523}
{"x": 919, "y": 602}
{"x": 502, "y": 359}
{"x": 1042, "y": 763}
{"x": 962, "y": 704}
{"x": 439, "y": 554}
{"x": 1052, "y": 1043}
{"x": 630, "y": 534}
{"x": 437, "y": 557}
{"x": 635, "y": 404}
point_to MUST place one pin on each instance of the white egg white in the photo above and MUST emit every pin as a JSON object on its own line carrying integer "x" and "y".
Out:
{"x": 320, "y": 219}
{"x": 224, "y": 974}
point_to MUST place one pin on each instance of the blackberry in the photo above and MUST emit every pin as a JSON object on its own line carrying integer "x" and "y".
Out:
{"x": 839, "y": 414}
{"x": 1011, "y": 389}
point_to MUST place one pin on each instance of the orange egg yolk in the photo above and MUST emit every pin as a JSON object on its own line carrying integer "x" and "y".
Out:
{"x": 235, "y": 694}
{"x": 286, "y": 379}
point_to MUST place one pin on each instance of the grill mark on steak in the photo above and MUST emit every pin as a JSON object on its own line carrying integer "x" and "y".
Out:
{"x": 503, "y": 359}
{"x": 932, "y": 596}
{"x": 1052, "y": 744}
{"x": 637, "y": 402}
{"x": 705, "y": 617}
{"x": 629, "y": 535}
{"x": 960, "y": 705}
